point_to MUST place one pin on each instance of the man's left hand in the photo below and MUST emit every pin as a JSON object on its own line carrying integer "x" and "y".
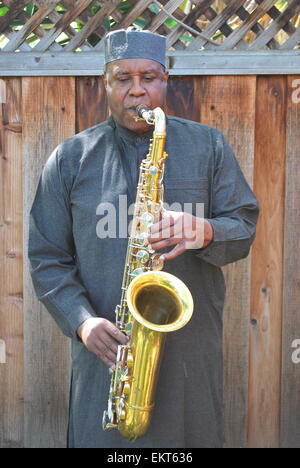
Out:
{"x": 182, "y": 229}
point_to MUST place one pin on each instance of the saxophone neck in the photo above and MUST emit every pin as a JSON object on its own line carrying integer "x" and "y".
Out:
{"x": 154, "y": 117}
{"x": 160, "y": 122}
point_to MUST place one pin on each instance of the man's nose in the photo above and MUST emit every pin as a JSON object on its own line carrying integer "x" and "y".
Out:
{"x": 136, "y": 88}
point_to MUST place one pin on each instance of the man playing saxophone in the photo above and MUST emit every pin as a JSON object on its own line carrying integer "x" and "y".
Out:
{"x": 78, "y": 276}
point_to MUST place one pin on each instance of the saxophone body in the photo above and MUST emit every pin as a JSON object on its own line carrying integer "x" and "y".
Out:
{"x": 152, "y": 304}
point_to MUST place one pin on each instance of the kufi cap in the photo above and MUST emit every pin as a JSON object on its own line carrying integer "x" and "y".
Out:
{"x": 135, "y": 43}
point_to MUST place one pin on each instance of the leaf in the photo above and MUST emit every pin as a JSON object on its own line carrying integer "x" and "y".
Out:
{"x": 184, "y": 5}
{"x": 170, "y": 23}
{"x": 186, "y": 38}
{"x": 31, "y": 9}
{"x": 124, "y": 7}
{"x": 3, "y": 11}
{"x": 140, "y": 23}
{"x": 154, "y": 8}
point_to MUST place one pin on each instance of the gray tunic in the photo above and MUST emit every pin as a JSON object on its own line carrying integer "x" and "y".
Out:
{"x": 77, "y": 275}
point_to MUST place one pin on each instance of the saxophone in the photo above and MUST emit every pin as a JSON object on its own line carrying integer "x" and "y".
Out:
{"x": 152, "y": 304}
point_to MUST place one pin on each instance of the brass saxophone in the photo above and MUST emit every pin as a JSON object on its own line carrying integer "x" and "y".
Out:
{"x": 152, "y": 303}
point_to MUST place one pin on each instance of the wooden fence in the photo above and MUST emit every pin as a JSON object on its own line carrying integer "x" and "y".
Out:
{"x": 260, "y": 116}
{"x": 47, "y": 37}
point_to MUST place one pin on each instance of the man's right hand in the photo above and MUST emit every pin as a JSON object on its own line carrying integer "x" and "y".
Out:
{"x": 102, "y": 337}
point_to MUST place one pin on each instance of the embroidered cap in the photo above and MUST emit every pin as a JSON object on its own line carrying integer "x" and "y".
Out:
{"x": 135, "y": 43}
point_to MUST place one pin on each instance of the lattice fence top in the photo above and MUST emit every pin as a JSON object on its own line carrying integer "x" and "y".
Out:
{"x": 80, "y": 25}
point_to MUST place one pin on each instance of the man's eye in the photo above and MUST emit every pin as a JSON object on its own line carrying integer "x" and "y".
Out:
{"x": 148, "y": 78}
{"x": 123, "y": 79}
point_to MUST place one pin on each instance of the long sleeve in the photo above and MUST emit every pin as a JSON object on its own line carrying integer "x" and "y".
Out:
{"x": 52, "y": 254}
{"x": 234, "y": 210}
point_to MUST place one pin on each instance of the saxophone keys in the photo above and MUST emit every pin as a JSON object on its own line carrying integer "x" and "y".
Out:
{"x": 136, "y": 272}
{"x": 157, "y": 262}
{"x": 121, "y": 410}
{"x": 147, "y": 219}
{"x": 126, "y": 388}
{"x": 142, "y": 256}
{"x": 153, "y": 170}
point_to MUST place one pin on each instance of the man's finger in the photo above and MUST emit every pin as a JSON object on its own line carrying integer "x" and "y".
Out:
{"x": 166, "y": 222}
{"x": 164, "y": 243}
{"x": 115, "y": 333}
{"x": 178, "y": 250}
{"x": 169, "y": 232}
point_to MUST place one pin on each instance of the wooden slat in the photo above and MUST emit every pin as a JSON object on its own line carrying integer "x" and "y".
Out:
{"x": 15, "y": 7}
{"x": 49, "y": 118}
{"x": 55, "y": 17}
{"x": 243, "y": 14}
{"x": 292, "y": 9}
{"x": 90, "y": 26}
{"x": 176, "y": 32}
{"x": 266, "y": 300}
{"x": 216, "y": 24}
{"x": 180, "y": 63}
{"x": 240, "y": 32}
{"x": 61, "y": 25}
{"x": 136, "y": 11}
{"x": 290, "y": 395}
{"x": 292, "y": 41}
{"x": 30, "y": 26}
{"x": 91, "y": 102}
{"x": 38, "y": 31}
{"x": 228, "y": 103}
{"x": 225, "y": 29}
{"x": 11, "y": 267}
{"x": 161, "y": 17}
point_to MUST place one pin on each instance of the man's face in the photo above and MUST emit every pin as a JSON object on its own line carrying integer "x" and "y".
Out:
{"x": 130, "y": 82}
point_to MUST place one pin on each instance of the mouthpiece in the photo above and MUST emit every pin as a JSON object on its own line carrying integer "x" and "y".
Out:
{"x": 141, "y": 109}
{"x": 146, "y": 114}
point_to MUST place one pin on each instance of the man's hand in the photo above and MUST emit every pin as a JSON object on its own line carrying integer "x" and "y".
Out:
{"x": 102, "y": 338}
{"x": 183, "y": 229}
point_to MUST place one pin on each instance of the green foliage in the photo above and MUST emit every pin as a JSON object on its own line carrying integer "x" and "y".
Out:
{"x": 124, "y": 7}
{"x": 3, "y": 11}
{"x": 31, "y": 9}
{"x": 281, "y": 4}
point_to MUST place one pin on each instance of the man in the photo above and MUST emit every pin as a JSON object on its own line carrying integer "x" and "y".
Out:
{"x": 77, "y": 271}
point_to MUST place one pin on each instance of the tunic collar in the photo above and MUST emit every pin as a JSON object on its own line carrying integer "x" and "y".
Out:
{"x": 129, "y": 135}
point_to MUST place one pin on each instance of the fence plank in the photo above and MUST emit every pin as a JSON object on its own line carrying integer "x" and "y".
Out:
{"x": 91, "y": 102}
{"x": 49, "y": 118}
{"x": 266, "y": 304}
{"x": 228, "y": 103}
{"x": 290, "y": 395}
{"x": 11, "y": 266}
